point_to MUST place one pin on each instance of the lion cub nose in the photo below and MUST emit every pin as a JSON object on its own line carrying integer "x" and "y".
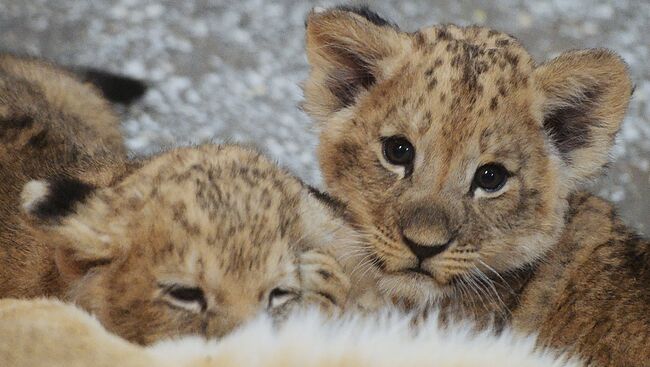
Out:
{"x": 423, "y": 252}
{"x": 425, "y": 230}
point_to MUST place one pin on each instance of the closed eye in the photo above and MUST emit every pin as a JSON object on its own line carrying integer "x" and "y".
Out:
{"x": 281, "y": 296}
{"x": 186, "y": 297}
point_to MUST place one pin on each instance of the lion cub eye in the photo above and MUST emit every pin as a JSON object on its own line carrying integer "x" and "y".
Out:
{"x": 191, "y": 298}
{"x": 280, "y": 296}
{"x": 398, "y": 151}
{"x": 490, "y": 177}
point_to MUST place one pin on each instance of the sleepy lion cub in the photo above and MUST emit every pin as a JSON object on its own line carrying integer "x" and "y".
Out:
{"x": 192, "y": 241}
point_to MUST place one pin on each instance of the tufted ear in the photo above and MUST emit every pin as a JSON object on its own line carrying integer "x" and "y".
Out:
{"x": 67, "y": 214}
{"x": 349, "y": 50}
{"x": 586, "y": 94}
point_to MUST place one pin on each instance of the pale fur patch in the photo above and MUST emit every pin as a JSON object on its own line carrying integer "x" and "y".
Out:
{"x": 33, "y": 193}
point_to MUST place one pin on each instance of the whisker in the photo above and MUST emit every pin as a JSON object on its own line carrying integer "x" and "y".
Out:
{"x": 502, "y": 308}
{"x": 503, "y": 281}
{"x": 471, "y": 282}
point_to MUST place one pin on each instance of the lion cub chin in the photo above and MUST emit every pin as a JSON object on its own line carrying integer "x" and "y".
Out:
{"x": 462, "y": 161}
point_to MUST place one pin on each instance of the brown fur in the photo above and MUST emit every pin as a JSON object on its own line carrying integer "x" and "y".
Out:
{"x": 192, "y": 241}
{"x": 537, "y": 253}
{"x": 50, "y": 124}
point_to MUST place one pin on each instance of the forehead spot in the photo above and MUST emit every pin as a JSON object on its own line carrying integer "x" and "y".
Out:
{"x": 443, "y": 34}
{"x": 420, "y": 39}
{"x": 512, "y": 58}
{"x": 493, "y": 103}
{"x": 432, "y": 84}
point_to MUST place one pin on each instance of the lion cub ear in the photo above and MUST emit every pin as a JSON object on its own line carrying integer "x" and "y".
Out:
{"x": 348, "y": 49}
{"x": 586, "y": 94}
{"x": 67, "y": 214}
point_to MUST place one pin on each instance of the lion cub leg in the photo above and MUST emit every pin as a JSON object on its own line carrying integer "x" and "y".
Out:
{"x": 324, "y": 283}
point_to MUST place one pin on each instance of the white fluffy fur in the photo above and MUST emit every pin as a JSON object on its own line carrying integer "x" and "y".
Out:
{"x": 387, "y": 340}
{"x": 54, "y": 334}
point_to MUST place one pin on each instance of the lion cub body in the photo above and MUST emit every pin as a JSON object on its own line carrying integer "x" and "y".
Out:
{"x": 462, "y": 160}
{"x": 50, "y": 124}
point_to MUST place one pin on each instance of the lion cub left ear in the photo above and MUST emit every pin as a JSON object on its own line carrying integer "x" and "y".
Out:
{"x": 50, "y": 201}
{"x": 586, "y": 94}
{"x": 68, "y": 215}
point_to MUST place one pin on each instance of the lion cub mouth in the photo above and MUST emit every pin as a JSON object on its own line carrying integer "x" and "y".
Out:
{"x": 417, "y": 271}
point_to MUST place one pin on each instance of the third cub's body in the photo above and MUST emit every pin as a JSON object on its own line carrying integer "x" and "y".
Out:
{"x": 461, "y": 159}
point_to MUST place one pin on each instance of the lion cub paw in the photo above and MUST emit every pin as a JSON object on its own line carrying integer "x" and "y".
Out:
{"x": 323, "y": 281}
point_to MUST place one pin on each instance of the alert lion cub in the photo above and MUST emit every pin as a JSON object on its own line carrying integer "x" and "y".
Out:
{"x": 462, "y": 160}
{"x": 191, "y": 241}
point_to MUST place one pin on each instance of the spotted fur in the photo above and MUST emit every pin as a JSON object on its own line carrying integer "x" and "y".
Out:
{"x": 537, "y": 253}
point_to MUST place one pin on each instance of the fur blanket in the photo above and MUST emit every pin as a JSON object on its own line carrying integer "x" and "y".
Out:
{"x": 51, "y": 333}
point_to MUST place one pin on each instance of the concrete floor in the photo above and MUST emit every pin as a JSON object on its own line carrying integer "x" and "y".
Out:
{"x": 230, "y": 70}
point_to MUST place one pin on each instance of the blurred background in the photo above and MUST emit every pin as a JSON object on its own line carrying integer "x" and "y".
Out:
{"x": 230, "y": 70}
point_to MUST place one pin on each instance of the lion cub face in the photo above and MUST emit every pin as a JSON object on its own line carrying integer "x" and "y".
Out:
{"x": 195, "y": 241}
{"x": 454, "y": 152}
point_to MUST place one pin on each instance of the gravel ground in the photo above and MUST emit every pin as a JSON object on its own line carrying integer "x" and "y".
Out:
{"x": 227, "y": 70}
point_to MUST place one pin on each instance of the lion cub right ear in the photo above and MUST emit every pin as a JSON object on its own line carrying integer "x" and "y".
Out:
{"x": 349, "y": 49}
{"x": 71, "y": 216}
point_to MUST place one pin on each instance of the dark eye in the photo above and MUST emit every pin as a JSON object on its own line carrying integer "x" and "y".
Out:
{"x": 191, "y": 298}
{"x": 280, "y": 296}
{"x": 398, "y": 151}
{"x": 490, "y": 177}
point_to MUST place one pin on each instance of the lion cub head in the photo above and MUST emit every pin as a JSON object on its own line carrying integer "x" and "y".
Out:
{"x": 454, "y": 151}
{"x": 194, "y": 241}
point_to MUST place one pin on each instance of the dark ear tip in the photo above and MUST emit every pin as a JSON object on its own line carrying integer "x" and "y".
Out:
{"x": 116, "y": 88}
{"x": 360, "y": 10}
{"x": 55, "y": 198}
{"x": 365, "y": 12}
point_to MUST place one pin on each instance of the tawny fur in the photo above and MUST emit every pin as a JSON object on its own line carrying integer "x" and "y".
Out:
{"x": 49, "y": 333}
{"x": 538, "y": 253}
{"x": 191, "y": 241}
{"x": 50, "y": 124}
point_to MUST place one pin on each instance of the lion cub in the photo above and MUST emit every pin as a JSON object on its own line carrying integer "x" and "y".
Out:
{"x": 191, "y": 241}
{"x": 462, "y": 160}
